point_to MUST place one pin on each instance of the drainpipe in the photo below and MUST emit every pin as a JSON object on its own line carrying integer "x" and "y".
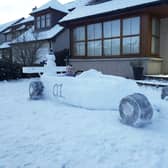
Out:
{"x": 50, "y": 45}
{"x": 10, "y": 55}
{"x": 67, "y": 58}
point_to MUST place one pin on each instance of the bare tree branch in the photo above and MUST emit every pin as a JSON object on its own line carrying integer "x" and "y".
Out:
{"x": 25, "y": 52}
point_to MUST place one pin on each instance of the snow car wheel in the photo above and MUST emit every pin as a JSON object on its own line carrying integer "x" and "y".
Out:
{"x": 164, "y": 93}
{"x": 36, "y": 90}
{"x": 135, "y": 110}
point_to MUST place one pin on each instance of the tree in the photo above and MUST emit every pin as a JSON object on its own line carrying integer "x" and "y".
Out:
{"x": 24, "y": 50}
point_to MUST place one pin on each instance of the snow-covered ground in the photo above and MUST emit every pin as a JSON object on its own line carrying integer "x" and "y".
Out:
{"x": 49, "y": 134}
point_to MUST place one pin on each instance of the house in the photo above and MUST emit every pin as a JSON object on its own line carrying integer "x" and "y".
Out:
{"x": 6, "y": 37}
{"x": 109, "y": 35}
{"x": 30, "y": 39}
{"x": 45, "y": 34}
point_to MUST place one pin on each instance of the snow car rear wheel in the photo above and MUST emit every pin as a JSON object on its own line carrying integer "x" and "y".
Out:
{"x": 36, "y": 90}
{"x": 164, "y": 93}
{"x": 135, "y": 110}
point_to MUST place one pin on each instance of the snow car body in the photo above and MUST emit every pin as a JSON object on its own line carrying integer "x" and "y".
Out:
{"x": 94, "y": 90}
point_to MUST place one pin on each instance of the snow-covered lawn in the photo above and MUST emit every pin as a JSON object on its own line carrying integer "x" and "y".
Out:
{"x": 50, "y": 134}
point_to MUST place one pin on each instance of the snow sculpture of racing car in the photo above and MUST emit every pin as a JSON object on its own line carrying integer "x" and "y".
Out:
{"x": 94, "y": 90}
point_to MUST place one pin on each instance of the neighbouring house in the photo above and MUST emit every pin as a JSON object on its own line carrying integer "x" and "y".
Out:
{"x": 108, "y": 35}
{"x": 45, "y": 34}
{"x": 27, "y": 41}
{"x": 6, "y": 36}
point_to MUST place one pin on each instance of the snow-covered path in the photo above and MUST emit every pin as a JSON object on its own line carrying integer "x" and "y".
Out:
{"x": 48, "y": 134}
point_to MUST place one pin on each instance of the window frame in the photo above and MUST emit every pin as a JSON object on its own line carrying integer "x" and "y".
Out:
{"x": 79, "y": 41}
{"x": 155, "y": 36}
{"x": 42, "y": 20}
{"x": 112, "y": 38}
{"x": 94, "y": 39}
{"x": 131, "y": 36}
{"x": 48, "y": 19}
{"x": 102, "y": 39}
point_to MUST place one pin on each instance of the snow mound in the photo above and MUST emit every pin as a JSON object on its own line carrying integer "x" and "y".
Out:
{"x": 92, "y": 73}
{"x": 49, "y": 134}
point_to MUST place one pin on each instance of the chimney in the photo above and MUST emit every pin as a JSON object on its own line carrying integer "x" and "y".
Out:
{"x": 34, "y": 8}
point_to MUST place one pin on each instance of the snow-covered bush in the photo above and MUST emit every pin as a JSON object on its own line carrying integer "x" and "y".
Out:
{"x": 61, "y": 57}
{"x": 135, "y": 110}
{"x": 9, "y": 70}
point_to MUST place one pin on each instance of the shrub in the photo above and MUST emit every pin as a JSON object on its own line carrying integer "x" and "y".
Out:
{"x": 9, "y": 70}
{"x": 61, "y": 57}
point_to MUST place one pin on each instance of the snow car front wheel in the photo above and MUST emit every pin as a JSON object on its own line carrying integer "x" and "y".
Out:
{"x": 164, "y": 93}
{"x": 135, "y": 110}
{"x": 36, "y": 90}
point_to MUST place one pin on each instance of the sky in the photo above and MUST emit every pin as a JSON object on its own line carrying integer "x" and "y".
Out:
{"x": 15, "y": 9}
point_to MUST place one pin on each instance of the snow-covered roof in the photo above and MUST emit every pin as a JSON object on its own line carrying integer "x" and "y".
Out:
{"x": 7, "y": 30}
{"x": 28, "y": 19}
{"x": 8, "y": 24}
{"x": 70, "y": 5}
{"x": 53, "y": 4}
{"x": 77, "y": 3}
{"x": 21, "y": 27}
{"x": 109, "y": 6}
{"x": 30, "y": 34}
{"x": 5, "y": 45}
{"x": 82, "y": 2}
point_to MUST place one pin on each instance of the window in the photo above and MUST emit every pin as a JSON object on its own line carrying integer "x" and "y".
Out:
{"x": 8, "y": 37}
{"x": 110, "y": 38}
{"x": 155, "y": 36}
{"x": 111, "y": 34}
{"x": 131, "y": 45}
{"x": 94, "y": 42}
{"x": 79, "y": 49}
{"x": 95, "y": 48}
{"x": 79, "y": 34}
{"x": 94, "y": 31}
{"x": 131, "y": 35}
{"x": 112, "y": 29}
{"x": 48, "y": 20}
{"x": 43, "y": 21}
{"x": 38, "y": 23}
{"x": 131, "y": 26}
{"x": 79, "y": 41}
{"x": 112, "y": 47}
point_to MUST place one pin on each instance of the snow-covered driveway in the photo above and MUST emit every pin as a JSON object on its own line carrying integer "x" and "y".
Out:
{"x": 48, "y": 134}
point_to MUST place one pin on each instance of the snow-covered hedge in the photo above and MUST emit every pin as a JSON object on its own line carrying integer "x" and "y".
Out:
{"x": 9, "y": 70}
